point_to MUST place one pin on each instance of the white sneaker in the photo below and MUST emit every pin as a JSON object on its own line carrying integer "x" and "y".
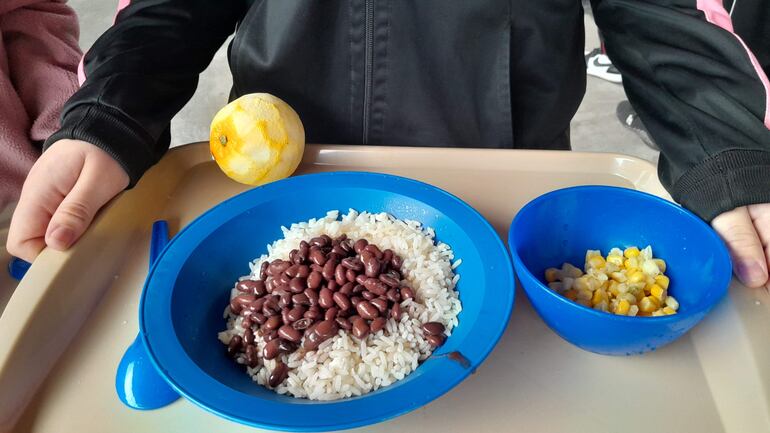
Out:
{"x": 600, "y": 66}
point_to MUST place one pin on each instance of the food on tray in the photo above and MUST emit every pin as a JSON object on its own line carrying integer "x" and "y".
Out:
{"x": 256, "y": 139}
{"x": 343, "y": 306}
{"x": 627, "y": 283}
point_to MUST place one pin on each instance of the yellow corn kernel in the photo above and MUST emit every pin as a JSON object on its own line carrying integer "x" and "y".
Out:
{"x": 628, "y": 297}
{"x": 634, "y": 310}
{"x": 556, "y": 286}
{"x": 630, "y": 264}
{"x": 596, "y": 262}
{"x": 620, "y": 277}
{"x": 571, "y": 294}
{"x": 570, "y": 271}
{"x": 584, "y": 295}
{"x": 601, "y": 306}
{"x": 648, "y": 304}
{"x": 623, "y": 307}
{"x": 650, "y": 268}
{"x": 584, "y": 302}
{"x": 615, "y": 260}
{"x": 582, "y": 283}
{"x": 636, "y": 277}
{"x": 552, "y": 274}
{"x": 643, "y": 314}
{"x": 631, "y": 252}
{"x": 599, "y": 296}
{"x": 668, "y": 311}
{"x": 672, "y": 303}
{"x": 659, "y": 292}
{"x": 639, "y": 295}
{"x": 613, "y": 288}
{"x": 658, "y": 313}
{"x": 662, "y": 281}
{"x": 661, "y": 264}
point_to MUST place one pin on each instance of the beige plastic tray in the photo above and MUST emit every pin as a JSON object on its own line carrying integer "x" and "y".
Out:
{"x": 69, "y": 321}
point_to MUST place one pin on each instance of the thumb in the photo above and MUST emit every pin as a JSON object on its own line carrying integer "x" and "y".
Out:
{"x": 77, "y": 210}
{"x": 737, "y": 229}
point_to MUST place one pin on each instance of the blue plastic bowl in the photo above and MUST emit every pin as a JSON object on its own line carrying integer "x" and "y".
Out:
{"x": 560, "y": 226}
{"x": 188, "y": 289}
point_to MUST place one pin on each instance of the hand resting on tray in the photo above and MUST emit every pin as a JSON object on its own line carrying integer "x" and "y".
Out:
{"x": 74, "y": 179}
{"x": 70, "y": 182}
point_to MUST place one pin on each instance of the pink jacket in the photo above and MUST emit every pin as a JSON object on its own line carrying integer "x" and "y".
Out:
{"x": 39, "y": 55}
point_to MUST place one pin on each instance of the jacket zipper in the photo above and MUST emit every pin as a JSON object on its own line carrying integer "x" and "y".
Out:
{"x": 369, "y": 66}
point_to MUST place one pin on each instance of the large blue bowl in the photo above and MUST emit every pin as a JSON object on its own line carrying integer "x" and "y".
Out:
{"x": 560, "y": 226}
{"x": 189, "y": 286}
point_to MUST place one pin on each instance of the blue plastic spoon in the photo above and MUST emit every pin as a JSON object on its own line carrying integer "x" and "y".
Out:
{"x": 17, "y": 268}
{"x": 137, "y": 382}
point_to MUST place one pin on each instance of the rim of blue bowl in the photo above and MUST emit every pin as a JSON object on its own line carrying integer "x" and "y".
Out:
{"x": 613, "y": 189}
{"x": 507, "y": 276}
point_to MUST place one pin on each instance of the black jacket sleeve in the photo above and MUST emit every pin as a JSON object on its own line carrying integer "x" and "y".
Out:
{"x": 701, "y": 95}
{"x": 141, "y": 72}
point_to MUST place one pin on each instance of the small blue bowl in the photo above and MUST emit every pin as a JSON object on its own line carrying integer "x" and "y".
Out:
{"x": 189, "y": 287}
{"x": 560, "y": 226}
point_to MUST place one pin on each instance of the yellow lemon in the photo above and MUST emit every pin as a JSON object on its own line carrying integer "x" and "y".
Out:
{"x": 257, "y": 139}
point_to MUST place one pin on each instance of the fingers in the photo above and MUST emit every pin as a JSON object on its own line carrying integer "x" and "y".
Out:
{"x": 736, "y": 227}
{"x": 39, "y": 199}
{"x": 760, "y": 214}
{"x": 99, "y": 181}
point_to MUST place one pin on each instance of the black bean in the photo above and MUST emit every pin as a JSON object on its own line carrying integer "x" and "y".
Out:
{"x": 358, "y": 288}
{"x": 295, "y": 314}
{"x": 257, "y": 305}
{"x": 239, "y": 302}
{"x": 252, "y": 360}
{"x": 387, "y": 256}
{"x": 389, "y": 280}
{"x": 355, "y": 300}
{"x": 326, "y": 329}
{"x": 361, "y": 278}
{"x": 393, "y": 295}
{"x": 236, "y": 342}
{"x": 285, "y": 300}
{"x": 331, "y": 313}
{"x": 292, "y": 271}
{"x": 317, "y": 257}
{"x": 297, "y": 285}
{"x": 304, "y": 252}
{"x": 248, "y": 336}
{"x": 433, "y": 328}
{"x": 366, "y": 310}
{"x": 341, "y": 300}
{"x": 274, "y": 322}
{"x": 396, "y": 262}
{"x": 329, "y": 268}
{"x": 368, "y": 295}
{"x": 326, "y": 298}
{"x": 314, "y": 280}
{"x": 286, "y": 346}
{"x": 332, "y": 285}
{"x": 371, "y": 265}
{"x": 375, "y": 286}
{"x": 302, "y": 324}
{"x": 340, "y": 275}
{"x": 347, "y": 246}
{"x": 316, "y": 268}
{"x": 312, "y": 296}
{"x": 360, "y": 245}
{"x": 293, "y": 256}
{"x": 300, "y": 299}
{"x": 245, "y": 286}
{"x": 278, "y": 375}
{"x": 407, "y": 293}
{"x": 435, "y": 340}
{"x": 270, "y": 351}
{"x": 285, "y": 314}
{"x": 374, "y": 250}
{"x": 395, "y": 312}
{"x": 312, "y": 314}
{"x": 343, "y": 323}
{"x": 282, "y": 279}
{"x": 278, "y": 267}
{"x": 287, "y": 332}
{"x": 377, "y": 324}
{"x": 350, "y": 275}
{"x": 380, "y": 303}
{"x": 259, "y": 318}
{"x": 339, "y": 251}
{"x": 347, "y": 289}
{"x": 270, "y": 336}
{"x": 263, "y": 270}
{"x": 360, "y": 328}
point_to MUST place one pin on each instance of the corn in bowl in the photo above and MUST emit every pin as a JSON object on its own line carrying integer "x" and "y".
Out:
{"x": 628, "y": 282}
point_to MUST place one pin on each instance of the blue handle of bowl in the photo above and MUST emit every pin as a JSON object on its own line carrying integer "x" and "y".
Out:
{"x": 137, "y": 382}
{"x": 17, "y": 268}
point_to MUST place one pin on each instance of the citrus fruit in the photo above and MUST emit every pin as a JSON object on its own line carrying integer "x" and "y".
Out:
{"x": 257, "y": 139}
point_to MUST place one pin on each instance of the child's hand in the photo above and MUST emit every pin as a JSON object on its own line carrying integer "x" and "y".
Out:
{"x": 746, "y": 231}
{"x": 70, "y": 182}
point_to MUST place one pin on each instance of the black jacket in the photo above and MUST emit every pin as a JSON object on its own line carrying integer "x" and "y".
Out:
{"x": 458, "y": 73}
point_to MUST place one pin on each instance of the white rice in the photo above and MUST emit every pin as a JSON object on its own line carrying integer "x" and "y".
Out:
{"x": 345, "y": 366}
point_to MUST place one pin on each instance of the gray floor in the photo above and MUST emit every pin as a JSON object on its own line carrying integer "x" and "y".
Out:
{"x": 594, "y": 128}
